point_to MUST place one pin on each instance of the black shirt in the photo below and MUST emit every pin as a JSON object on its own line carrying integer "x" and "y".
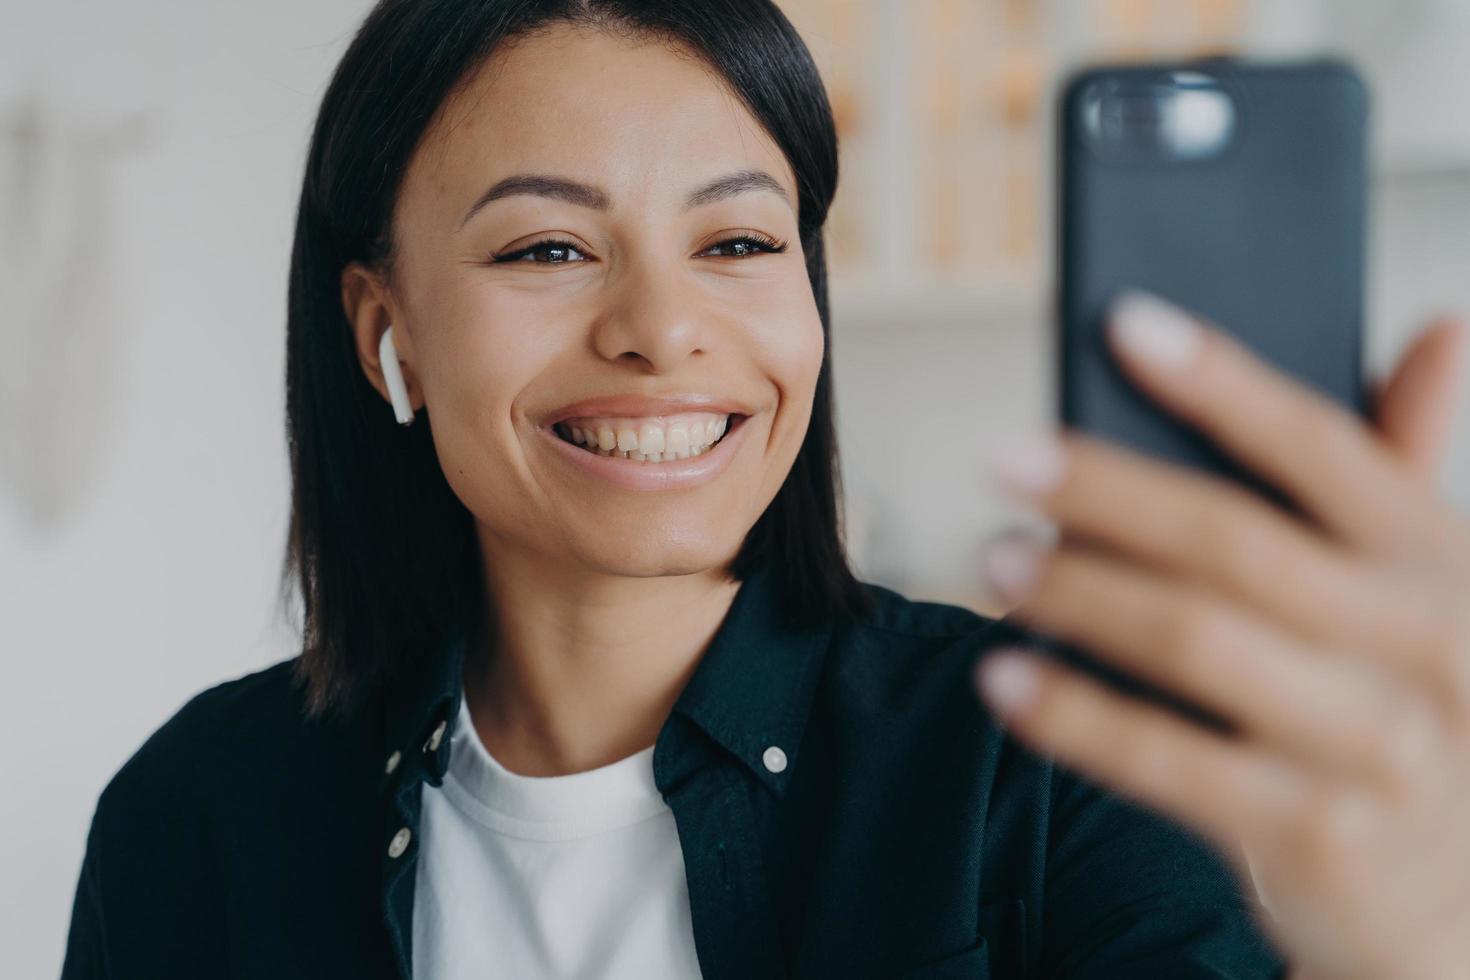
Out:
{"x": 906, "y": 836}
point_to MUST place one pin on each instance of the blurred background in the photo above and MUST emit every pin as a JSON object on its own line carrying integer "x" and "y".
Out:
{"x": 150, "y": 159}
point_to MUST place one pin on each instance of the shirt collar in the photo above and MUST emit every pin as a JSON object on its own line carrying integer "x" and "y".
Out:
{"x": 416, "y": 707}
{"x": 751, "y": 693}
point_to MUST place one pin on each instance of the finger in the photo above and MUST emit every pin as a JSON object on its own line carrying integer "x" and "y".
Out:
{"x": 1225, "y": 789}
{"x": 1332, "y": 714}
{"x": 1219, "y": 534}
{"x": 1325, "y": 458}
{"x": 1415, "y": 409}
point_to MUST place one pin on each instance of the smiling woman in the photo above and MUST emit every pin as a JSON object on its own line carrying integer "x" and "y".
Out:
{"x": 587, "y": 686}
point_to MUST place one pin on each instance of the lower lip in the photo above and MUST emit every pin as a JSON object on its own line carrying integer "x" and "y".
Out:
{"x": 679, "y": 474}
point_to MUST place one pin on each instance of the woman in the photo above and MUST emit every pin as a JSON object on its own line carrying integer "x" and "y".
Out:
{"x": 564, "y": 711}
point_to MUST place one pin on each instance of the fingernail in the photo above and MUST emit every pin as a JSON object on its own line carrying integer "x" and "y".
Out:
{"x": 1011, "y": 566}
{"x": 1153, "y": 331}
{"x": 1027, "y": 464}
{"x": 1007, "y": 680}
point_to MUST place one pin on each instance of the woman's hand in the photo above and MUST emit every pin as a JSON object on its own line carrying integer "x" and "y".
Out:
{"x": 1336, "y": 644}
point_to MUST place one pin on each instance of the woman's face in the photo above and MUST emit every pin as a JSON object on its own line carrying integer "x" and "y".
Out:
{"x": 638, "y": 299}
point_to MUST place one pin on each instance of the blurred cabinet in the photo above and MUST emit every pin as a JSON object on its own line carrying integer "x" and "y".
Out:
{"x": 943, "y": 117}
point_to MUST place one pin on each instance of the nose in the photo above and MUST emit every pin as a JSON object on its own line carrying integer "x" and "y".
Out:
{"x": 656, "y": 316}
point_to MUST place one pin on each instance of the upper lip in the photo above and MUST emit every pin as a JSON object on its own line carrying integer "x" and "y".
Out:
{"x": 639, "y": 406}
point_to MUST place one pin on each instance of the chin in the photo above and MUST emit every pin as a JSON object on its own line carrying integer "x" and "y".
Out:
{"x": 662, "y": 556}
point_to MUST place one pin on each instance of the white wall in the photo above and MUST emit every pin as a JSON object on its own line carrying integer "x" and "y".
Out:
{"x": 154, "y": 577}
{"x": 143, "y": 481}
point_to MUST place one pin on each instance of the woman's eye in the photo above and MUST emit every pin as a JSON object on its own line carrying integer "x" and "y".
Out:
{"x": 551, "y": 246}
{"x": 750, "y": 245}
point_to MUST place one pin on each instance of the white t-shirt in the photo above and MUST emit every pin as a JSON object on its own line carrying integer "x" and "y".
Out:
{"x": 564, "y": 877}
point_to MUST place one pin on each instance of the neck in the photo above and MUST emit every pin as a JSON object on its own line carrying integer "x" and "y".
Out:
{"x": 570, "y": 672}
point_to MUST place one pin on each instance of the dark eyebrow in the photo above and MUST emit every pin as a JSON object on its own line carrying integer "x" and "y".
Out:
{"x": 588, "y": 196}
{"x": 739, "y": 182}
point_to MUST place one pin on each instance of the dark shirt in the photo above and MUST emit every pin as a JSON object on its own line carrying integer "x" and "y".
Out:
{"x": 906, "y": 837}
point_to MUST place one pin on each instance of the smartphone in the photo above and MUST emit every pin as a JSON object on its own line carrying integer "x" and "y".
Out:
{"x": 1235, "y": 189}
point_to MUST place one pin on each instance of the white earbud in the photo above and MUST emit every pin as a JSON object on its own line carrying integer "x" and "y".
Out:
{"x": 397, "y": 390}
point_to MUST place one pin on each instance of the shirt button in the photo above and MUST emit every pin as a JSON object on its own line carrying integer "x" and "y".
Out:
{"x": 393, "y": 761}
{"x": 400, "y": 842}
{"x": 433, "y": 742}
{"x": 774, "y": 758}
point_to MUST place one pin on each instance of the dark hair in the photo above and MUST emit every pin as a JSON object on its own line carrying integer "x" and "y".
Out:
{"x": 385, "y": 554}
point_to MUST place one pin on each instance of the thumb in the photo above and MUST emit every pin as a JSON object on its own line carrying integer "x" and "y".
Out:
{"x": 1415, "y": 407}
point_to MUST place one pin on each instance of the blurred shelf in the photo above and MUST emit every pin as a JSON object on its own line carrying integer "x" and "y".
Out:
{"x": 1422, "y": 167}
{"x": 940, "y": 306}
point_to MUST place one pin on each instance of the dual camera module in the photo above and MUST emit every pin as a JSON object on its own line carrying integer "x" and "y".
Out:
{"x": 1174, "y": 117}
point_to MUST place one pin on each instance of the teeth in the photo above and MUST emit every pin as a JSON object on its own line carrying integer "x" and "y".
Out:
{"x": 648, "y": 441}
{"x": 679, "y": 443}
{"x": 651, "y": 439}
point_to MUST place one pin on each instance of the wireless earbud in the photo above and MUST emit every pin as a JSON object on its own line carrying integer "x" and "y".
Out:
{"x": 393, "y": 374}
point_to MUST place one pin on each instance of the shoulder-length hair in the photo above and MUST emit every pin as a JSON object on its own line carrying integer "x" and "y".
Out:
{"x": 385, "y": 555}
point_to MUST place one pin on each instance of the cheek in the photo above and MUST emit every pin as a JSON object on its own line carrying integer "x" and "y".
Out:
{"x": 790, "y": 346}
{"x": 487, "y": 349}
{"x": 484, "y": 354}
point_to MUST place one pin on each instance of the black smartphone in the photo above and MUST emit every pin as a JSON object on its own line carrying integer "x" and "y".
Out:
{"x": 1235, "y": 189}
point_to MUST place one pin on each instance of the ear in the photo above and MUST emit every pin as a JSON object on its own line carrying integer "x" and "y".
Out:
{"x": 370, "y": 310}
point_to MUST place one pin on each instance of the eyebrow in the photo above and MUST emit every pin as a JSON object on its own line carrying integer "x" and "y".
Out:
{"x": 590, "y": 196}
